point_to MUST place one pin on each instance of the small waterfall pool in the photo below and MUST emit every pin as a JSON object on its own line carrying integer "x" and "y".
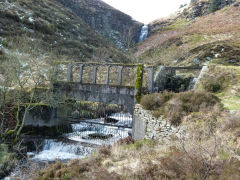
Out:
{"x": 144, "y": 33}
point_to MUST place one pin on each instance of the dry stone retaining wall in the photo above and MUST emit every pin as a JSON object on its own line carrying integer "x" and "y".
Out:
{"x": 146, "y": 126}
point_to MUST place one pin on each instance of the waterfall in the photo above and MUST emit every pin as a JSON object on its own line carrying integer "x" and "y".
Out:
{"x": 54, "y": 149}
{"x": 193, "y": 84}
{"x": 144, "y": 33}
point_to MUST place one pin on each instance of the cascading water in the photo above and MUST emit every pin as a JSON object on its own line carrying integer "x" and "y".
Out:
{"x": 76, "y": 145}
{"x": 144, "y": 33}
{"x": 54, "y": 149}
{"x": 193, "y": 84}
{"x": 73, "y": 148}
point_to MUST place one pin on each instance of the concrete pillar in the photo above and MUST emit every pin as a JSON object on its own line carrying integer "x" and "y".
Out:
{"x": 160, "y": 79}
{"x": 81, "y": 73}
{"x": 120, "y": 75}
{"x": 70, "y": 73}
{"x": 139, "y": 125}
{"x": 151, "y": 80}
{"x": 95, "y": 75}
{"x": 108, "y": 73}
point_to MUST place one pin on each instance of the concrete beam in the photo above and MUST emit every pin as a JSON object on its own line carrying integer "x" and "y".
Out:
{"x": 150, "y": 80}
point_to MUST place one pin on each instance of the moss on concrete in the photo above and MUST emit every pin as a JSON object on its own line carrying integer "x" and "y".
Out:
{"x": 139, "y": 83}
{"x": 58, "y": 62}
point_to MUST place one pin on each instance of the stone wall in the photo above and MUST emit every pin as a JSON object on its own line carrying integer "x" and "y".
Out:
{"x": 146, "y": 126}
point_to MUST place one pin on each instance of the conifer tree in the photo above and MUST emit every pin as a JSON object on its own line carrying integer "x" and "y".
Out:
{"x": 215, "y": 5}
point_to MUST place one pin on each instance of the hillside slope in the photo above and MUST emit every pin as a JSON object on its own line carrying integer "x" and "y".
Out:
{"x": 181, "y": 40}
{"x": 108, "y": 21}
{"x": 48, "y": 28}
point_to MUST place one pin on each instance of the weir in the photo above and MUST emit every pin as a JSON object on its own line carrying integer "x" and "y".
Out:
{"x": 112, "y": 83}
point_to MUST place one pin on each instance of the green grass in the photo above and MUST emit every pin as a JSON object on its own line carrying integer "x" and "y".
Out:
{"x": 231, "y": 101}
{"x": 179, "y": 24}
{"x": 196, "y": 38}
{"x": 163, "y": 54}
{"x": 139, "y": 144}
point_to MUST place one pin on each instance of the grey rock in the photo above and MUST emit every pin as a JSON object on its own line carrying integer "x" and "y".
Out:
{"x": 196, "y": 61}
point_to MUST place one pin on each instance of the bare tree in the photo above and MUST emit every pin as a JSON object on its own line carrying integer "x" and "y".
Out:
{"x": 18, "y": 86}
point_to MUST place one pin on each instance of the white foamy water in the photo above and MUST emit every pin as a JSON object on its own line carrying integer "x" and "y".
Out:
{"x": 144, "y": 33}
{"x": 54, "y": 150}
{"x": 83, "y": 132}
{"x": 195, "y": 81}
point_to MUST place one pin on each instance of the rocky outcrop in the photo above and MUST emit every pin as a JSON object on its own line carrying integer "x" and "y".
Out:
{"x": 201, "y": 8}
{"x": 191, "y": 12}
{"x": 49, "y": 26}
{"x": 196, "y": 10}
{"x": 112, "y": 23}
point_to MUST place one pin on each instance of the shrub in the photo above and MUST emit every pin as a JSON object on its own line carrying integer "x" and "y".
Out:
{"x": 126, "y": 141}
{"x": 182, "y": 164}
{"x": 232, "y": 123}
{"x": 231, "y": 170}
{"x": 176, "y": 105}
{"x": 154, "y": 101}
{"x": 184, "y": 103}
{"x": 7, "y": 161}
{"x": 217, "y": 80}
{"x": 105, "y": 151}
{"x": 178, "y": 83}
{"x": 215, "y": 5}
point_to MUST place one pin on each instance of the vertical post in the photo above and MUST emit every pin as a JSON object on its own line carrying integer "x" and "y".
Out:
{"x": 120, "y": 75}
{"x": 95, "y": 75}
{"x": 139, "y": 83}
{"x": 108, "y": 73}
{"x": 150, "y": 80}
{"x": 81, "y": 73}
{"x": 70, "y": 73}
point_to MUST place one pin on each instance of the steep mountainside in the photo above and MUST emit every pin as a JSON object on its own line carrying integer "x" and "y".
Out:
{"x": 48, "y": 30}
{"x": 194, "y": 36}
{"x": 108, "y": 21}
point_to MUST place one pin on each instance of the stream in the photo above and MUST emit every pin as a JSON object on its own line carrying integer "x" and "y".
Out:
{"x": 75, "y": 145}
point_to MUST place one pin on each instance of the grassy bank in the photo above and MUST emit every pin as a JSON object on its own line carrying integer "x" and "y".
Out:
{"x": 7, "y": 160}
